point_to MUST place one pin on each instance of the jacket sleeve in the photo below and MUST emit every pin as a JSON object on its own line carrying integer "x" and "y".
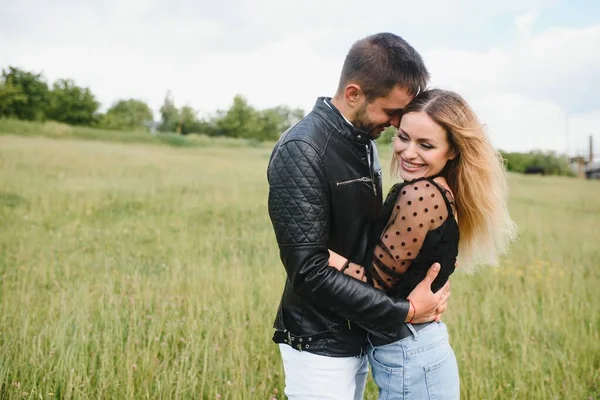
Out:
{"x": 299, "y": 207}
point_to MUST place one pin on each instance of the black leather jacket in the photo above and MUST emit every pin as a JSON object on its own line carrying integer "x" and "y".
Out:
{"x": 325, "y": 193}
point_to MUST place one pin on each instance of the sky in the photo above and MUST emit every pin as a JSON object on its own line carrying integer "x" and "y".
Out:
{"x": 529, "y": 68}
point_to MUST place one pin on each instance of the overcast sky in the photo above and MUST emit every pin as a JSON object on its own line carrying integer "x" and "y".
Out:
{"x": 530, "y": 68}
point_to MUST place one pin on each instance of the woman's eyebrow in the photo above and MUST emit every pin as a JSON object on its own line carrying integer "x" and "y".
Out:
{"x": 418, "y": 139}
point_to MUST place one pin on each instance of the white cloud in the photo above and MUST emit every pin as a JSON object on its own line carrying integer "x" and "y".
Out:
{"x": 528, "y": 91}
{"x": 517, "y": 123}
{"x": 524, "y": 23}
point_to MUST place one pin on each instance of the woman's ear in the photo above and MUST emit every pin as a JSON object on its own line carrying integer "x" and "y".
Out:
{"x": 453, "y": 154}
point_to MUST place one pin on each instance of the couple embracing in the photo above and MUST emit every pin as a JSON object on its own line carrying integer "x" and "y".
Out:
{"x": 368, "y": 279}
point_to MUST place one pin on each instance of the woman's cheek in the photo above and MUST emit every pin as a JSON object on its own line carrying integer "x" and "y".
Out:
{"x": 398, "y": 146}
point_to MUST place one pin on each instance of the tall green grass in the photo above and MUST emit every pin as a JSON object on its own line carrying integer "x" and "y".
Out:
{"x": 140, "y": 271}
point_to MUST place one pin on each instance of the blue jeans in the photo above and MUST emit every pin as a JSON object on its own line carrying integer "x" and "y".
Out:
{"x": 420, "y": 366}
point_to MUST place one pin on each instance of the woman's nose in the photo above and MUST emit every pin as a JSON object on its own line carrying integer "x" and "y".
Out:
{"x": 409, "y": 152}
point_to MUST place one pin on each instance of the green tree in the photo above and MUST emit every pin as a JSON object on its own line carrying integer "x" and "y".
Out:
{"x": 72, "y": 104}
{"x": 128, "y": 115}
{"x": 190, "y": 123}
{"x": 25, "y": 95}
{"x": 242, "y": 120}
{"x": 170, "y": 118}
{"x": 277, "y": 120}
{"x": 11, "y": 98}
{"x": 188, "y": 120}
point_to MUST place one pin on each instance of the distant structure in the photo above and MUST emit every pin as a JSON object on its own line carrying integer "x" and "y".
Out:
{"x": 592, "y": 169}
{"x": 578, "y": 165}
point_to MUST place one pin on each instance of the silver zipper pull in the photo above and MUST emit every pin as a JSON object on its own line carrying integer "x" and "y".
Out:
{"x": 371, "y": 172}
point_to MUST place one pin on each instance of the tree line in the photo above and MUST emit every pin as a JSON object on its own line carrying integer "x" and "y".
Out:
{"x": 26, "y": 95}
{"x": 550, "y": 162}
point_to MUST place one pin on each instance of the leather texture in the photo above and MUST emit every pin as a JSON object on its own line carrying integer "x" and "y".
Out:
{"x": 325, "y": 193}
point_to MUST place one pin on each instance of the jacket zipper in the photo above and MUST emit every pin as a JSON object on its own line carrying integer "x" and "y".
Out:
{"x": 371, "y": 172}
{"x": 363, "y": 179}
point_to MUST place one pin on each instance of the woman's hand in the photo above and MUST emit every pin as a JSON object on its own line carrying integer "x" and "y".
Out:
{"x": 336, "y": 260}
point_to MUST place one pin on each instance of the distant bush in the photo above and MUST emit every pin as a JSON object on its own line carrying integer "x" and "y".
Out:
{"x": 550, "y": 162}
{"x": 128, "y": 115}
{"x": 386, "y": 136}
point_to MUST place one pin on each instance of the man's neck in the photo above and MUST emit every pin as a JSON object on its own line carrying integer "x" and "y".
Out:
{"x": 342, "y": 108}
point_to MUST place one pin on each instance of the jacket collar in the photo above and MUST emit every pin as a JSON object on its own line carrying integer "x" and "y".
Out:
{"x": 331, "y": 114}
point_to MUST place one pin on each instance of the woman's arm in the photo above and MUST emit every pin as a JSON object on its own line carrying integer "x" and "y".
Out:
{"x": 419, "y": 208}
{"x": 349, "y": 268}
{"x": 358, "y": 272}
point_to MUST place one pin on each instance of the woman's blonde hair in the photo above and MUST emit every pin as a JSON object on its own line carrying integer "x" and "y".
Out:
{"x": 476, "y": 176}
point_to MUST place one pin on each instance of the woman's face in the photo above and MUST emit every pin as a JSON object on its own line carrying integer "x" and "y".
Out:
{"x": 421, "y": 146}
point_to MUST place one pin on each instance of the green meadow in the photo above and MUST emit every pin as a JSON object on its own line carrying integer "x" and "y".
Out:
{"x": 150, "y": 270}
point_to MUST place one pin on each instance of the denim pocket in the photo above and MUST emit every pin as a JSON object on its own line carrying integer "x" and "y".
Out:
{"x": 388, "y": 356}
{"x": 441, "y": 377}
{"x": 388, "y": 371}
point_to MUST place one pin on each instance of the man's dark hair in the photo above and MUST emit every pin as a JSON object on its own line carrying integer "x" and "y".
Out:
{"x": 379, "y": 62}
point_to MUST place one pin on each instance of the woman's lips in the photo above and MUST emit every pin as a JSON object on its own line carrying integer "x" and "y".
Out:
{"x": 411, "y": 167}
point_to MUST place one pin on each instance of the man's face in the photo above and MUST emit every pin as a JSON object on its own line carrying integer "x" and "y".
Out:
{"x": 377, "y": 115}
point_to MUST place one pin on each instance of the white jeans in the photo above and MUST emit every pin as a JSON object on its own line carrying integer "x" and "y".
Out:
{"x": 313, "y": 377}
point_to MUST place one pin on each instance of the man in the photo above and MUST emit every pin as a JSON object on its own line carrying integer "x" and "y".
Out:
{"x": 325, "y": 193}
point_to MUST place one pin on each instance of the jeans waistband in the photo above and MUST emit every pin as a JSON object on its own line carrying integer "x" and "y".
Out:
{"x": 405, "y": 331}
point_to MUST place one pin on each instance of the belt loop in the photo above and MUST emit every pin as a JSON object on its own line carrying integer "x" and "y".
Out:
{"x": 414, "y": 331}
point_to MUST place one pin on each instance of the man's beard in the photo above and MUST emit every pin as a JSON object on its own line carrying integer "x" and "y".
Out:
{"x": 362, "y": 122}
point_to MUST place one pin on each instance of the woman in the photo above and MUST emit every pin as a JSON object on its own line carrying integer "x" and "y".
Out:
{"x": 454, "y": 186}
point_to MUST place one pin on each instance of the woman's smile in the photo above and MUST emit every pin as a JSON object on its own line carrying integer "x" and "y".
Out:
{"x": 411, "y": 167}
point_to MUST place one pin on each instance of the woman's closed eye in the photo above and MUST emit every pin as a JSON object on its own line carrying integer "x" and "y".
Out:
{"x": 402, "y": 137}
{"x": 424, "y": 145}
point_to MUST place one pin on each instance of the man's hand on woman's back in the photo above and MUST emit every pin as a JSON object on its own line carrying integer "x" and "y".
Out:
{"x": 428, "y": 306}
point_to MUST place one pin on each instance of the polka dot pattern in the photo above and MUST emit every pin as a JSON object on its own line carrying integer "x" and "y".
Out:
{"x": 419, "y": 209}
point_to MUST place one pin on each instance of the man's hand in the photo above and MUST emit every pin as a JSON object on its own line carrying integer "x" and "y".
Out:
{"x": 440, "y": 310}
{"x": 428, "y": 306}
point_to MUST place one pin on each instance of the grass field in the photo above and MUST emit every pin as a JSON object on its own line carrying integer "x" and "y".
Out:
{"x": 148, "y": 271}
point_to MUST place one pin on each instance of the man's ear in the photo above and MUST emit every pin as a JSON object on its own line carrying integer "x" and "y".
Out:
{"x": 353, "y": 95}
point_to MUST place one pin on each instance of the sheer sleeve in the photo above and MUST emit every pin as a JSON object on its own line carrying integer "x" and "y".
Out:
{"x": 419, "y": 208}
